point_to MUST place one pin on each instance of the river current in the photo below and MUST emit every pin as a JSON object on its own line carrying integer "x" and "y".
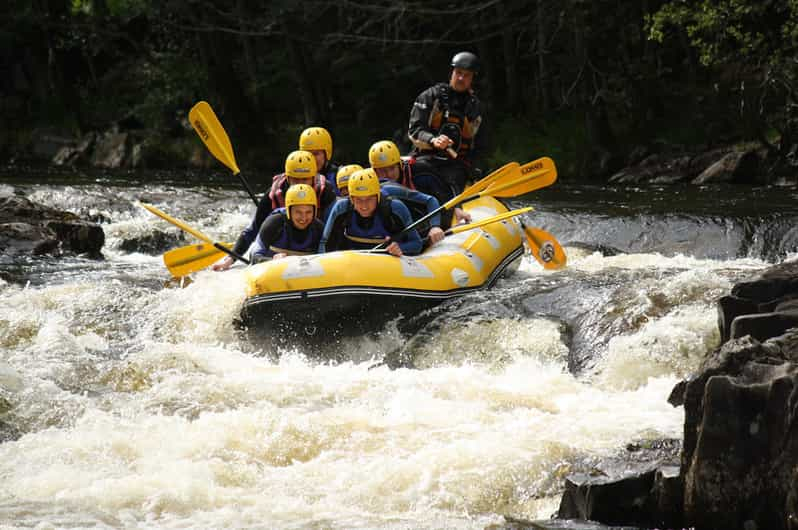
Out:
{"x": 125, "y": 403}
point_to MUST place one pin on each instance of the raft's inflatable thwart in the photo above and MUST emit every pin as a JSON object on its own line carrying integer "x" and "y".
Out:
{"x": 338, "y": 288}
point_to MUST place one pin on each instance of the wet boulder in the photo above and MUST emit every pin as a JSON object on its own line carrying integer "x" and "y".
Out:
{"x": 741, "y": 435}
{"x": 27, "y": 228}
{"x": 735, "y": 167}
{"x": 762, "y": 308}
{"x": 153, "y": 243}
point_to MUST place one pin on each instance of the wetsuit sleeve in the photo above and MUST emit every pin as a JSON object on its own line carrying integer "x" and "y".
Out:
{"x": 481, "y": 140}
{"x": 418, "y": 130}
{"x": 404, "y": 194}
{"x": 330, "y": 238}
{"x": 249, "y": 234}
{"x": 328, "y": 200}
{"x": 270, "y": 231}
{"x": 411, "y": 243}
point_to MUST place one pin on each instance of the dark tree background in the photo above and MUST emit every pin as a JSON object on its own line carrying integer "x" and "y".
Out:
{"x": 584, "y": 81}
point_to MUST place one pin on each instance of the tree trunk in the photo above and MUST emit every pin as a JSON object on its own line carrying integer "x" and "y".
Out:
{"x": 510, "y": 63}
{"x": 543, "y": 81}
{"x": 305, "y": 80}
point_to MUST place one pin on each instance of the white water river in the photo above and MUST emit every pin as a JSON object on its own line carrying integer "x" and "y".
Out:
{"x": 140, "y": 407}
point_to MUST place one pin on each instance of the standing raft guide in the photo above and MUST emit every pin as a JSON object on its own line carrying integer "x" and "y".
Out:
{"x": 369, "y": 284}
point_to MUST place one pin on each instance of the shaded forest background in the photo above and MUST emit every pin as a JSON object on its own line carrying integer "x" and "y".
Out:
{"x": 587, "y": 82}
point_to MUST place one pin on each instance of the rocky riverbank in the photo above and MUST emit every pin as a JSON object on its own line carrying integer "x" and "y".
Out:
{"x": 738, "y": 466}
{"x": 27, "y": 228}
{"x": 126, "y": 145}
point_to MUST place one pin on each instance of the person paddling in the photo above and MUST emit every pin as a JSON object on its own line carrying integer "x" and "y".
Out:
{"x": 368, "y": 219}
{"x": 396, "y": 182}
{"x": 300, "y": 168}
{"x": 291, "y": 231}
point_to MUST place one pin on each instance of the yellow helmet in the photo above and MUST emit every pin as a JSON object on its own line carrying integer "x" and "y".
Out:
{"x": 344, "y": 172}
{"x": 300, "y": 165}
{"x": 300, "y": 194}
{"x": 314, "y": 138}
{"x": 384, "y": 154}
{"x": 364, "y": 183}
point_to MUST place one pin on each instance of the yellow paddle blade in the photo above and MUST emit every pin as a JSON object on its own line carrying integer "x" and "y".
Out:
{"x": 545, "y": 248}
{"x": 211, "y": 132}
{"x": 183, "y": 261}
{"x": 489, "y": 220}
{"x": 178, "y": 223}
{"x": 533, "y": 176}
{"x": 509, "y": 170}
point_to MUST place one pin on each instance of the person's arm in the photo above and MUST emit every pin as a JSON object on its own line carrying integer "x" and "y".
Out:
{"x": 481, "y": 139}
{"x": 249, "y": 233}
{"x": 329, "y": 238}
{"x": 418, "y": 130}
{"x": 410, "y": 243}
{"x": 405, "y": 194}
{"x": 327, "y": 200}
{"x": 270, "y": 231}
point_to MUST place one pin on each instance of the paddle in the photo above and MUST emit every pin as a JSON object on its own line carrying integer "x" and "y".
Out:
{"x": 183, "y": 261}
{"x": 488, "y": 220}
{"x": 508, "y": 181}
{"x": 545, "y": 248}
{"x": 215, "y": 138}
{"x": 196, "y": 233}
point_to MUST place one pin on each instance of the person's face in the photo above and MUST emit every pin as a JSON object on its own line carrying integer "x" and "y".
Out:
{"x": 302, "y": 215}
{"x": 365, "y": 206}
{"x": 344, "y": 191}
{"x": 321, "y": 158}
{"x": 390, "y": 172}
{"x": 461, "y": 79}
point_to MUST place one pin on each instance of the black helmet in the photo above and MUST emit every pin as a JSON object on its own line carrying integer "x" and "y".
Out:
{"x": 466, "y": 61}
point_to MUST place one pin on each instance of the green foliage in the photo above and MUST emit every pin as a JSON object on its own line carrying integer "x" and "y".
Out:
{"x": 727, "y": 30}
{"x": 559, "y": 136}
{"x": 565, "y": 79}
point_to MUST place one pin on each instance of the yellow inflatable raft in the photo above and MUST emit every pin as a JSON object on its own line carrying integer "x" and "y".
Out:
{"x": 334, "y": 291}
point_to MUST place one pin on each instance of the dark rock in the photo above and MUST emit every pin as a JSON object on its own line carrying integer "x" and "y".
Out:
{"x": 111, "y": 150}
{"x": 739, "y": 458}
{"x": 47, "y": 142}
{"x": 764, "y": 325}
{"x": 735, "y": 167}
{"x": 613, "y": 501}
{"x": 34, "y": 229}
{"x": 77, "y": 153}
{"x": 154, "y": 243}
{"x": 740, "y": 443}
{"x": 729, "y": 308}
{"x": 25, "y": 238}
{"x": 511, "y": 523}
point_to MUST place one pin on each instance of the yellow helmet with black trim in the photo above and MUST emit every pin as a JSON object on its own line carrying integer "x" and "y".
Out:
{"x": 300, "y": 165}
{"x": 364, "y": 183}
{"x": 384, "y": 154}
{"x": 344, "y": 172}
{"x": 315, "y": 138}
{"x": 300, "y": 194}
